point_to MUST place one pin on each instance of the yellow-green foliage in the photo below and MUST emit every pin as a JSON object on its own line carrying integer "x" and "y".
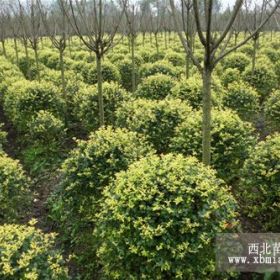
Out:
{"x": 157, "y": 86}
{"x": 159, "y": 219}
{"x": 263, "y": 79}
{"x": 232, "y": 140}
{"x": 24, "y": 99}
{"x": 163, "y": 67}
{"x": 86, "y": 104}
{"x": 260, "y": 183}
{"x": 155, "y": 119}
{"x": 272, "y": 110}
{"x": 190, "y": 90}
{"x": 89, "y": 168}
{"x": 26, "y": 253}
{"x": 14, "y": 189}
{"x": 236, "y": 60}
{"x": 242, "y": 98}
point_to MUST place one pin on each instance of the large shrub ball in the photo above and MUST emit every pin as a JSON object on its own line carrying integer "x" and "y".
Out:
{"x": 163, "y": 67}
{"x": 191, "y": 90}
{"x": 229, "y": 76}
{"x": 177, "y": 59}
{"x": 24, "y": 99}
{"x": 28, "y": 253}
{"x": 272, "y": 111}
{"x": 157, "y": 86}
{"x": 160, "y": 218}
{"x": 110, "y": 73}
{"x": 14, "y": 189}
{"x": 232, "y": 140}
{"x": 262, "y": 78}
{"x": 236, "y": 60}
{"x": 260, "y": 183}
{"x": 242, "y": 98}
{"x": 125, "y": 67}
{"x": 89, "y": 168}
{"x": 157, "y": 120}
{"x": 86, "y": 104}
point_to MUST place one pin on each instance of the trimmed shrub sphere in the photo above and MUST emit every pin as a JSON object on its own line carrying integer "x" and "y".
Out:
{"x": 242, "y": 98}
{"x": 272, "y": 111}
{"x": 263, "y": 79}
{"x": 155, "y": 87}
{"x": 86, "y": 104}
{"x": 163, "y": 67}
{"x": 155, "y": 119}
{"x": 236, "y": 60}
{"x": 24, "y": 99}
{"x": 232, "y": 140}
{"x": 110, "y": 73}
{"x": 160, "y": 218}
{"x": 260, "y": 183}
{"x": 28, "y": 253}
{"x": 190, "y": 90}
{"x": 14, "y": 189}
{"x": 89, "y": 168}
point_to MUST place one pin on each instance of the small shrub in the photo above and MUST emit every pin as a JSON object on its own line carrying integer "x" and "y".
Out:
{"x": 232, "y": 140}
{"x": 160, "y": 218}
{"x": 272, "y": 111}
{"x": 259, "y": 187}
{"x": 28, "y": 253}
{"x": 157, "y": 120}
{"x": 3, "y": 137}
{"x": 243, "y": 99}
{"x": 157, "y": 86}
{"x": 14, "y": 189}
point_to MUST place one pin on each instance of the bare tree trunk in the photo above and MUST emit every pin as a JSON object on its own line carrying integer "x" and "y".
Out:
{"x": 62, "y": 72}
{"x": 206, "y": 122}
{"x": 4, "y": 48}
{"x": 143, "y": 38}
{"x": 156, "y": 39}
{"x": 254, "y": 57}
{"x": 100, "y": 93}
{"x": 165, "y": 39}
{"x": 37, "y": 64}
{"x": 16, "y": 49}
{"x": 187, "y": 66}
{"x": 27, "y": 59}
{"x": 133, "y": 63}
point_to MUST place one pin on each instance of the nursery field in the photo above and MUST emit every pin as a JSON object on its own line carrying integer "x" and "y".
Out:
{"x": 131, "y": 198}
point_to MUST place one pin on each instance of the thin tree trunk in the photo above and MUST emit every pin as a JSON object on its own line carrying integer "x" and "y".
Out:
{"x": 165, "y": 39}
{"x": 187, "y": 66}
{"x": 27, "y": 59}
{"x": 62, "y": 72}
{"x": 206, "y": 121}
{"x": 4, "y": 48}
{"x": 133, "y": 63}
{"x": 16, "y": 49}
{"x": 254, "y": 58}
{"x": 37, "y": 64}
{"x": 100, "y": 93}
{"x": 156, "y": 38}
